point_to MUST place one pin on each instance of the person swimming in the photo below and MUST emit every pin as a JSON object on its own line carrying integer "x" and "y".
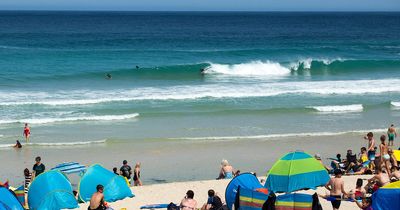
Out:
{"x": 137, "y": 67}
{"x": 108, "y": 76}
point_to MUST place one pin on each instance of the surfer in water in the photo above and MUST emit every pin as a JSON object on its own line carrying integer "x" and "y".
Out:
{"x": 137, "y": 67}
{"x": 108, "y": 76}
{"x": 27, "y": 132}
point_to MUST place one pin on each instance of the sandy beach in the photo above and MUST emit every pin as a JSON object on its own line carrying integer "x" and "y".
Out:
{"x": 174, "y": 192}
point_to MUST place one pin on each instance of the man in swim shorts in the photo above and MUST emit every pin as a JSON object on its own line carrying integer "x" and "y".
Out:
{"x": 97, "y": 199}
{"x": 336, "y": 188}
{"x": 371, "y": 149}
{"x": 392, "y": 134}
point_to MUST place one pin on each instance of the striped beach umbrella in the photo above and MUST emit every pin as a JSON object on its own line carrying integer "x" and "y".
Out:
{"x": 70, "y": 168}
{"x": 296, "y": 171}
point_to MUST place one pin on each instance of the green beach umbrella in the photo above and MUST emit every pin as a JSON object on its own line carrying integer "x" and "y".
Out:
{"x": 296, "y": 171}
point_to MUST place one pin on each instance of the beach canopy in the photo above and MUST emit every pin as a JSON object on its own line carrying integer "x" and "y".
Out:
{"x": 387, "y": 197}
{"x": 115, "y": 186}
{"x": 296, "y": 171}
{"x": 8, "y": 200}
{"x": 70, "y": 168}
{"x": 246, "y": 181}
{"x": 51, "y": 190}
{"x": 251, "y": 199}
{"x": 294, "y": 201}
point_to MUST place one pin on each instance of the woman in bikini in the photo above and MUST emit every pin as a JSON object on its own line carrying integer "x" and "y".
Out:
{"x": 385, "y": 157}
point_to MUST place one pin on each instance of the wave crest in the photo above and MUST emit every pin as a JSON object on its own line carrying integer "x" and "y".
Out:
{"x": 254, "y": 68}
{"x": 339, "y": 108}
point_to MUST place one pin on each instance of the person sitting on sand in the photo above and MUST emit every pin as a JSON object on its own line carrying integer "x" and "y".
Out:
{"x": 136, "y": 175}
{"x": 385, "y": 157}
{"x": 336, "y": 188}
{"x": 188, "y": 203}
{"x": 97, "y": 199}
{"x": 395, "y": 174}
{"x": 380, "y": 179}
{"x": 226, "y": 171}
{"x": 392, "y": 134}
{"x": 213, "y": 203}
{"x": 361, "y": 167}
{"x": 18, "y": 144}
{"x": 337, "y": 162}
{"x": 366, "y": 204}
{"x": 359, "y": 192}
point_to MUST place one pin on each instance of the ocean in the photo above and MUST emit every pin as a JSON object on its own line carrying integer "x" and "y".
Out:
{"x": 265, "y": 75}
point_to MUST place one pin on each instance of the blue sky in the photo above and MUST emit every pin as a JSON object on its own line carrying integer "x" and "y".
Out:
{"x": 204, "y": 5}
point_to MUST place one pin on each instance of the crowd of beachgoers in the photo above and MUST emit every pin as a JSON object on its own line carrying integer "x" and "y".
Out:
{"x": 376, "y": 159}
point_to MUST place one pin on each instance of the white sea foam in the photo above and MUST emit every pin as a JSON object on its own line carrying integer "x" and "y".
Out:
{"x": 307, "y": 62}
{"x": 57, "y": 144}
{"x": 278, "y": 136}
{"x": 82, "y": 118}
{"x": 185, "y": 92}
{"x": 395, "y": 104}
{"x": 255, "y": 68}
{"x": 339, "y": 108}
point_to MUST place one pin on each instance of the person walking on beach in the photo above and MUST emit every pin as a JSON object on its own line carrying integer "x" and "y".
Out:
{"x": 27, "y": 132}
{"x": 136, "y": 175}
{"x": 371, "y": 149}
{"x": 38, "y": 168}
{"x": 336, "y": 188}
{"x": 385, "y": 157}
{"x": 126, "y": 170}
{"x": 97, "y": 199}
{"x": 392, "y": 134}
{"x": 188, "y": 203}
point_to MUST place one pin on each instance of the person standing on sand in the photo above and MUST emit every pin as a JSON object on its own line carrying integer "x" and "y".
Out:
{"x": 188, "y": 203}
{"x": 27, "y": 132}
{"x": 38, "y": 168}
{"x": 392, "y": 134}
{"x": 97, "y": 199}
{"x": 385, "y": 157}
{"x": 126, "y": 170}
{"x": 136, "y": 175}
{"x": 371, "y": 149}
{"x": 336, "y": 188}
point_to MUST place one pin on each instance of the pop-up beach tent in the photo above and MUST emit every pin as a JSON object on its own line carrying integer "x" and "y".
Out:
{"x": 115, "y": 186}
{"x": 296, "y": 171}
{"x": 246, "y": 181}
{"x": 51, "y": 190}
{"x": 8, "y": 200}
{"x": 387, "y": 197}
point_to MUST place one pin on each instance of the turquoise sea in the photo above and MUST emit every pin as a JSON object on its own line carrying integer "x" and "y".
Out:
{"x": 266, "y": 75}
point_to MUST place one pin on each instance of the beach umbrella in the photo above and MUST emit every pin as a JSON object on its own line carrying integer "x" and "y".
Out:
{"x": 244, "y": 181}
{"x": 296, "y": 171}
{"x": 115, "y": 186}
{"x": 8, "y": 200}
{"x": 51, "y": 190}
{"x": 70, "y": 168}
{"x": 387, "y": 197}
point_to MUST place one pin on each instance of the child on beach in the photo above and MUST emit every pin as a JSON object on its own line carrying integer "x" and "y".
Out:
{"x": 27, "y": 182}
{"x": 136, "y": 175}
{"x": 380, "y": 179}
{"x": 336, "y": 189}
{"x": 392, "y": 134}
{"x": 371, "y": 149}
{"x": 358, "y": 193}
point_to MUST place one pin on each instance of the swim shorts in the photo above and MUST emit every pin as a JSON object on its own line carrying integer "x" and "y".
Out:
{"x": 371, "y": 155}
{"x": 336, "y": 203}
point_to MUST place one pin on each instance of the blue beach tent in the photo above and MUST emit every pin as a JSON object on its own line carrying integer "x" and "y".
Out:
{"x": 8, "y": 201}
{"x": 387, "y": 197}
{"x": 51, "y": 190}
{"x": 70, "y": 168}
{"x": 115, "y": 186}
{"x": 244, "y": 181}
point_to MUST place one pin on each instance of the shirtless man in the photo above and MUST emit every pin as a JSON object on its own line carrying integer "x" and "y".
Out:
{"x": 392, "y": 134}
{"x": 379, "y": 180}
{"x": 336, "y": 189}
{"x": 385, "y": 157}
{"x": 371, "y": 149}
{"x": 188, "y": 203}
{"x": 97, "y": 199}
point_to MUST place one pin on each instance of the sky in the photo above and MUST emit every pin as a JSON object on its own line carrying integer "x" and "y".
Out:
{"x": 203, "y": 5}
